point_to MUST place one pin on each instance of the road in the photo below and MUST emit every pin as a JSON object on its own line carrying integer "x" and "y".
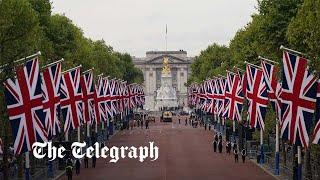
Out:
{"x": 185, "y": 153}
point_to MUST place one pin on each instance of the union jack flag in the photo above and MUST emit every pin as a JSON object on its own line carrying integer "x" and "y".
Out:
{"x": 107, "y": 99}
{"x": 316, "y": 131}
{"x": 99, "y": 101}
{"x": 137, "y": 94}
{"x": 257, "y": 97}
{"x": 113, "y": 96}
{"x": 202, "y": 96}
{"x": 25, "y": 109}
{"x": 71, "y": 99}
{"x": 87, "y": 86}
{"x": 298, "y": 98}
{"x": 131, "y": 96}
{"x": 1, "y": 148}
{"x": 121, "y": 96}
{"x": 273, "y": 86}
{"x": 233, "y": 97}
{"x": 51, "y": 80}
{"x": 211, "y": 95}
{"x": 142, "y": 96}
{"x": 220, "y": 95}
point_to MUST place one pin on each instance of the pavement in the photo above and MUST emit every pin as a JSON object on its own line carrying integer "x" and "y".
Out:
{"x": 185, "y": 153}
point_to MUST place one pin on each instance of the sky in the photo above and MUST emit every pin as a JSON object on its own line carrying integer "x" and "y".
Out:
{"x": 137, "y": 26}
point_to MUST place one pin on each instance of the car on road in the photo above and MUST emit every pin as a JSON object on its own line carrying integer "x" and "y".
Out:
{"x": 166, "y": 116}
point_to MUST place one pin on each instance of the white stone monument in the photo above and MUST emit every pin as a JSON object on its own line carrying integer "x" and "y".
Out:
{"x": 166, "y": 94}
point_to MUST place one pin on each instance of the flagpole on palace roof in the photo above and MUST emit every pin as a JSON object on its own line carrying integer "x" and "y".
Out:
{"x": 72, "y": 69}
{"x": 53, "y": 63}
{"x": 262, "y": 58}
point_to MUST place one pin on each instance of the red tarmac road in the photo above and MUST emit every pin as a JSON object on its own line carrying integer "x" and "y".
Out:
{"x": 185, "y": 153}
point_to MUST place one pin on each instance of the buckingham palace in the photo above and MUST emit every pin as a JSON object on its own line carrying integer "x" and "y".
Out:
{"x": 151, "y": 66}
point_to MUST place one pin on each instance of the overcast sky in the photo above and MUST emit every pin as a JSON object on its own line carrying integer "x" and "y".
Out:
{"x": 137, "y": 26}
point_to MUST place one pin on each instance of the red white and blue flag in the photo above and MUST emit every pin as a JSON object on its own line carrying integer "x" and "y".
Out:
{"x": 71, "y": 99}
{"x": 87, "y": 86}
{"x": 211, "y": 95}
{"x": 99, "y": 101}
{"x": 107, "y": 99}
{"x": 274, "y": 87}
{"x": 233, "y": 97}
{"x": 298, "y": 98}
{"x": 131, "y": 96}
{"x": 316, "y": 131}
{"x": 257, "y": 97}
{"x": 220, "y": 95}
{"x": 25, "y": 109}
{"x": 113, "y": 97}
{"x": 51, "y": 80}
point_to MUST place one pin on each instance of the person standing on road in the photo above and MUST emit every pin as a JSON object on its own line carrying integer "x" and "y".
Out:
{"x": 243, "y": 154}
{"x": 216, "y": 137}
{"x": 179, "y": 120}
{"x": 236, "y": 158}
{"x": 69, "y": 169}
{"x": 205, "y": 126}
{"x": 86, "y": 162}
{"x": 142, "y": 124}
{"x": 214, "y": 143}
{"x": 78, "y": 166}
{"x": 209, "y": 127}
{"x": 228, "y": 147}
{"x": 186, "y": 121}
{"x": 220, "y": 136}
{"x": 147, "y": 124}
{"x": 94, "y": 159}
{"x": 220, "y": 146}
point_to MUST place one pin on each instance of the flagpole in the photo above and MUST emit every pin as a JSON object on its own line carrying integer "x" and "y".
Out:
{"x": 53, "y": 63}
{"x": 252, "y": 65}
{"x": 88, "y": 129}
{"x": 291, "y": 50}
{"x": 277, "y": 155}
{"x": 265, "y": 59}
{"x": 166, "y": 38}
{"x": 27, "y": 166}
{"x": 299, "y": 170}
{"x": 66, "y": 135}
{"x": 88, "y": 70}
{"x": 238, "y": 68}
{"x": 71, "y": 69}
{"x": 28, "y": 57}
{"x": 261, "y": 147}
{"x": 231, "y": 72}
{"x": 79, "y": 129}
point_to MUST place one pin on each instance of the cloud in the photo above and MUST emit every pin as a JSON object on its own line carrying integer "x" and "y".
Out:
{"x": 137, "y": 26}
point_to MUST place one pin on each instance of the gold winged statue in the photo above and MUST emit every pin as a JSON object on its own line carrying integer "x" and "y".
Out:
{"x": 166, "y": 67}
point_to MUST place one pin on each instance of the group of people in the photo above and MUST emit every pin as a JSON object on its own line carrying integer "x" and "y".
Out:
{"x": 70, "y": 164}
{"x": 139, "y": 123}
{"x": 217, "y": 144}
